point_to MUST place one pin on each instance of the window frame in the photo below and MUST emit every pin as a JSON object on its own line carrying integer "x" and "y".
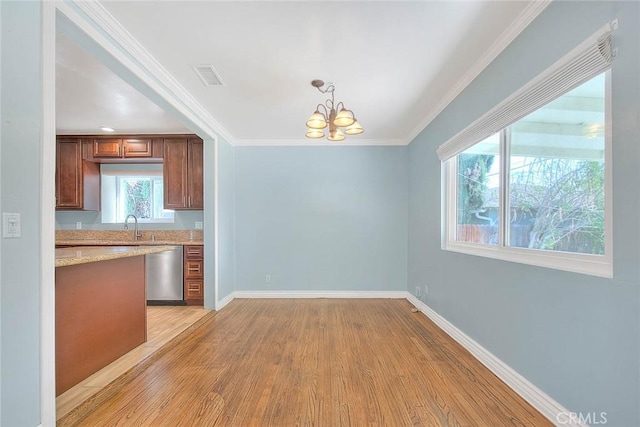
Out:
{"x": 117, "y": 172}
{"x": 153, "y": 179}
{"x": 595, "y": 265}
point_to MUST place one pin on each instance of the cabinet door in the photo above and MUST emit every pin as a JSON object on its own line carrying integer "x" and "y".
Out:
{"x": 193, "y": 269}
{"x": 195, "y": 199}
{"x": 77, "y": 180}
{"x": 194, "y": 252}
{"x": 175, "y": 173}
{"x": 107, "y": 148}
{"x": 137, "y": 148}
{"x": 193, "y": 290}
{"x": 68, "y": 174}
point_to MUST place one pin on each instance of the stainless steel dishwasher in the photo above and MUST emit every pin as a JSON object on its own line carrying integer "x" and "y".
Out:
{"x": 164, "y": 277}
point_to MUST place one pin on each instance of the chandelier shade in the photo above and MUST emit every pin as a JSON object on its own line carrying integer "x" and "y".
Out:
{"x": 354, "y": 129}
{"x": 332, "y": 114}
{"x": 336, "y": 135}
{"x": 317, "y": 121}
{"x": 314, "y": 133}
{"x": 344, "y": 118}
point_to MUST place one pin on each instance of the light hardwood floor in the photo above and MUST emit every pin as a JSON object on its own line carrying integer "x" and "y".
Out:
{"x": 163, "y": 324}
{"x": 322, "y": 362}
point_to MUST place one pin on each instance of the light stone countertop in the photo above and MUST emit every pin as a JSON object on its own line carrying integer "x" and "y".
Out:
{"x": 85, "y": 254}
{"x": 98, "y": 242}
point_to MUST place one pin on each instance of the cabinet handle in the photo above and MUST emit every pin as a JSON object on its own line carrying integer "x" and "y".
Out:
{"x": 194, "y": 269}
{"x": 189, "y": 201}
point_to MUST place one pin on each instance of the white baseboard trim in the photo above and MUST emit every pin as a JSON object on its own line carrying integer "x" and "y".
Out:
{"x": 224, "y": 301}
{"x": 320, "y": 294}
{"x": 552, "y": 410}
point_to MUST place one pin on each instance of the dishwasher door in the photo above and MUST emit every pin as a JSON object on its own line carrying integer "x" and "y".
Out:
{"x": 164, "y": 277}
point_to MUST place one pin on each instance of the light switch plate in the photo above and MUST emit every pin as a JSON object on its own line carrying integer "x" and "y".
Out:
{"x": 198, "y": 225}
{"x": 11, "y": 225}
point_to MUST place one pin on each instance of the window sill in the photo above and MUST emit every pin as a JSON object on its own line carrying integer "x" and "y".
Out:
{"x": 593, "y": 265}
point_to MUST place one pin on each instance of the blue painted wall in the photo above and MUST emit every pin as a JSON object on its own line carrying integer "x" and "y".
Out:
{"x": 321, "y": 218}
{"x": 574, "y": 336}
{"x": 226, "y": 219}
{"x": 21, "y": 99}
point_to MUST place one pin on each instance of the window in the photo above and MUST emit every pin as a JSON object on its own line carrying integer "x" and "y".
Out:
{"x": 537, "y": 189}
{"x": 133, "y": 190}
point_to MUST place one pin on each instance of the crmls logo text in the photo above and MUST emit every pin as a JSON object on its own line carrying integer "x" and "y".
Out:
{"x": 590, "y": 418}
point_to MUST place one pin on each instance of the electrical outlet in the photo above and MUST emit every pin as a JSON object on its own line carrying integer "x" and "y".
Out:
{"x": 418, "y": 291}
{"x": 426, "y": 290}
{"x": 198, "y": 225}
{"x": 267, "y": 278}
{"x": 78, "y": 225}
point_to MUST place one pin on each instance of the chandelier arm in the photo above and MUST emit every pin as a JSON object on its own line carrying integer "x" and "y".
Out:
{"x": 325, "y": 112}
{"x": 340, "y": 106}
{"x": 330, "y": 88}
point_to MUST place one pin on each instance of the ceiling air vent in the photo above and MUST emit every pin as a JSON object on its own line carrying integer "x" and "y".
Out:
{"x": 208, "y": 75}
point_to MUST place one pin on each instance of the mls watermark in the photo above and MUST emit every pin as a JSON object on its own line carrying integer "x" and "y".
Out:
{"x": 589, "y": 418}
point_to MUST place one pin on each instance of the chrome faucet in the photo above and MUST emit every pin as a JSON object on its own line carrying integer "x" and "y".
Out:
{"x": 136, "y": 234}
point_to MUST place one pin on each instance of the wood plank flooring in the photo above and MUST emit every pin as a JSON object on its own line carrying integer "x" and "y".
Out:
{"x": 163, "y": 324}
{"x": 316, "y": 362}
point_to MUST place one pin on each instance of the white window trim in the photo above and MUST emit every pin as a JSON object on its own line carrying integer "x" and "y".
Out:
{"x": 595, "y": 265}
{"x": 119, "y": 202}
{"x": 126, "y": 172}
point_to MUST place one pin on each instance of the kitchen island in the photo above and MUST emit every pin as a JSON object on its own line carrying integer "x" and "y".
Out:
{"x": 100, "y": 308}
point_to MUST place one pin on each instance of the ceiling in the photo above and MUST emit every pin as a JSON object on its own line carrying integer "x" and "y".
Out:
{"x": 394, "y": 63}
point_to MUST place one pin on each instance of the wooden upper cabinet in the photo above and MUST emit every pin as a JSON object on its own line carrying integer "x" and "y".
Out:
{"x": 175, "y": 173}
{"x": 116, "y": 150}
{"x": 183, "y": 174}
{"x": 108, "y": 148}
{"x": 77, "y": 181}
{"x": 136, "y": 148}
{"x": 195, "y": 176}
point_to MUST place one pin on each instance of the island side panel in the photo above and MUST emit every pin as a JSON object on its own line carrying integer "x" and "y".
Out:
{"x": 100, "y": 315}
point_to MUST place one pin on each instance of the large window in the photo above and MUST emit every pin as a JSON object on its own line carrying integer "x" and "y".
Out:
{"x": 133, "y": 190}
{"x": 530, "y": 180}
{"x": 535, "y": 191}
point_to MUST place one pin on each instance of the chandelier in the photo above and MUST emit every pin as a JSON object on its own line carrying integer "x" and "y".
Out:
{"x": 335, "y": 115}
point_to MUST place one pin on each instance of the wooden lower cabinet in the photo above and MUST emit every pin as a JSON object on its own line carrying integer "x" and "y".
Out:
{"x": 101, "y": 314}
{"x": 194, "y": 274}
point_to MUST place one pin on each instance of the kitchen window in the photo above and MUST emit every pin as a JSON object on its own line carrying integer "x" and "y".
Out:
{"x": 133, "y": 190}
{"x": 537, "y": 190}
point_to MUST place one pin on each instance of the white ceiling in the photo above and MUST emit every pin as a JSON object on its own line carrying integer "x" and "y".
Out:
{"x": 393, "y": 63}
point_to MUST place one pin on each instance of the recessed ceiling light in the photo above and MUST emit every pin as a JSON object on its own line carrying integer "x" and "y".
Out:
{"x": 107, "y": 129}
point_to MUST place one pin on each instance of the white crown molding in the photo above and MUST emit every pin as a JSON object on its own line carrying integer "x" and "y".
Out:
{"x": 145, "y": 66}
{"x": 509, "y": 35}
{"x": 320, "y": 294}
{"x": 544, "y": 403}
{"x": 316, "y": 142}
